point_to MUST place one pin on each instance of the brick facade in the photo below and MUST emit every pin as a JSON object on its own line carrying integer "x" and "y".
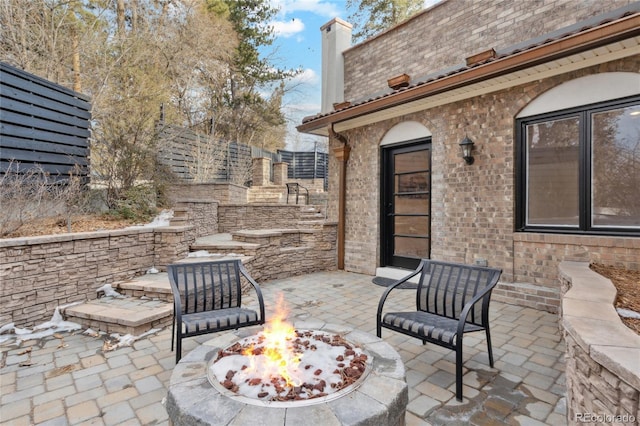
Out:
{"x": 471, "y": 27}
{"x": 473, "y": 207}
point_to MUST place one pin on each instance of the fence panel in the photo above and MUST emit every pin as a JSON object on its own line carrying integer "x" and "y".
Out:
{"x": 196, "y": 158}
{"x": 42, "y": 124}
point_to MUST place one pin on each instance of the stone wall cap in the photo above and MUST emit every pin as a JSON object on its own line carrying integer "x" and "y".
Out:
{"x": 598, "y": 330}
{"x": 196, "y": 200}
{"x": 71, "y": 236}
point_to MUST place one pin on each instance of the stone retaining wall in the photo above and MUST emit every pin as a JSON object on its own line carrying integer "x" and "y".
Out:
{"x": 203, "y": 214}
{"x": 235, "y": 217}
{"x": 603, "y": 355}
{"x": 228, "y": 193}
{"x": 290, "y": 252}
{"x": 39, "y": 273}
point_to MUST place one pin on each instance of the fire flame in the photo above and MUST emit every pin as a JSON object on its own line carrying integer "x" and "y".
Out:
{"x": 277, "y": 349}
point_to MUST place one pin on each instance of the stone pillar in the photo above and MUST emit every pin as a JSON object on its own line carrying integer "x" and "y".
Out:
{"x": 280, "y": 171}
{"x": 261, "y": 171}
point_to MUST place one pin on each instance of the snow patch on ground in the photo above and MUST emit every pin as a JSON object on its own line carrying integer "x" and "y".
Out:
{"x": 163, "y": 219}
{"x": 110, "y": 292}
{"x": 627, "y": 313}
{"x": 55, "y": 325}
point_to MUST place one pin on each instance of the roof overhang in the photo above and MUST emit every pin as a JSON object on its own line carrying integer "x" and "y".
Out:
{"x": 604, "y": 43}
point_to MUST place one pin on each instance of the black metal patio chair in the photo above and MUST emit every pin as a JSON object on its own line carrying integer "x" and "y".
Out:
{"x": 207, "y": 298}
{"x": 451, "y": 299}
{"x": 299, "y": 191}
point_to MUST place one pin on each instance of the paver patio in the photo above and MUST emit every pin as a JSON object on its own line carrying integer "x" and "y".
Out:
{"x": 81, "y": 384}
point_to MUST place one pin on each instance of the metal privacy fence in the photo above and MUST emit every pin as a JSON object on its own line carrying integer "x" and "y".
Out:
{"x": 42, "y": 125}
{"x": 193, "y": 157}
{"x": 306, "y": 165}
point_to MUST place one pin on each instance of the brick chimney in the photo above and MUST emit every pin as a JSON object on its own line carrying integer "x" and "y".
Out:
{"x": 336, "y": 38}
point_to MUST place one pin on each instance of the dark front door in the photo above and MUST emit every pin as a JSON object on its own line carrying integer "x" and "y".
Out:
{"x": 406, "y": 204}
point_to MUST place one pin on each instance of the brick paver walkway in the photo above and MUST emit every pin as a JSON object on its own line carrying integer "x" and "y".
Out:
{"x": 73, "y": 381}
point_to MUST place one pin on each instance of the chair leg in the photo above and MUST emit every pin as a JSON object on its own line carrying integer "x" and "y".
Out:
{"x": 459, "y": 370}
{"x": 173, "y": 332}
{"x": 178, "y": 348}
{"x": 490, "y": 350}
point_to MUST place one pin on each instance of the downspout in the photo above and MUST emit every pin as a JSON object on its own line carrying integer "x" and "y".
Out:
{"x": 342, "y": 155}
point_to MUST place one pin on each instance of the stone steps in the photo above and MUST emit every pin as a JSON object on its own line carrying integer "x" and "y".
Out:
{"x": 148, "y": 304}
{"x": 223, "y": 244}
{"x": 151, "y": 286}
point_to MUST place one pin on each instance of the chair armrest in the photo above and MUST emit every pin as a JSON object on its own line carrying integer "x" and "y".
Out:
{"x": 384, "y": 296}
{"x": 256, "y": 287}
{"x": 467, "y": 307}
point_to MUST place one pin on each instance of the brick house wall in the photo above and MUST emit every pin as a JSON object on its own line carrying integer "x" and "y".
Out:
{"x": 470, "y": 27}
{"x": 473, "y": 207}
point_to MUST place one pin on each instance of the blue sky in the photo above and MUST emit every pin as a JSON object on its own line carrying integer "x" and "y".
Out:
{"x": 298, "y": 45}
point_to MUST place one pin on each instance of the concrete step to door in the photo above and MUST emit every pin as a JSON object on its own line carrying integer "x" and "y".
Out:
{"x": 126, "y": 315}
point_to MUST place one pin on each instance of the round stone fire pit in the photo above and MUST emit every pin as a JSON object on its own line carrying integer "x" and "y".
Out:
{"x": 379, "y": 397}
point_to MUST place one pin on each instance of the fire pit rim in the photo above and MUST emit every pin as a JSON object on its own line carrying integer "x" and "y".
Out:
{"x": 291, "y": 404}
{"x": 385, "y": 388}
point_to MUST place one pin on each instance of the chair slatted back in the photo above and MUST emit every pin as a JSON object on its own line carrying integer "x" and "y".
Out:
{"x": 206, "y": 286}
{"x": 445, "y": 288}
{"x": 293, "y": 188}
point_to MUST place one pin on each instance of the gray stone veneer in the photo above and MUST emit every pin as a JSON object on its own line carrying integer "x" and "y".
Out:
{"x": 603, "y": 355}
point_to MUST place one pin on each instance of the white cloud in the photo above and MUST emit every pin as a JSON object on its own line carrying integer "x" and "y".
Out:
{"x": 307, "y": 76}
{"x": 319, "y": 7}
{"x": 287, "y": 28}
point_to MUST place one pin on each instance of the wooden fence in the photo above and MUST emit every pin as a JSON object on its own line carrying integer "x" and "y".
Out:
{"x": 42, "y": 125}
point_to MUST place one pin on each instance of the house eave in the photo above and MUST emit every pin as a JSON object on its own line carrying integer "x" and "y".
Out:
{"x": 609, "y": 41}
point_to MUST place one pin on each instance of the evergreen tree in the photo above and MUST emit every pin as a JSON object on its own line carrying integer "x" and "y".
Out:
{"x": 374, "y": 16}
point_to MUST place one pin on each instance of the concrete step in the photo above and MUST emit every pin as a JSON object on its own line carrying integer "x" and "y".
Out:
{"x": 223, "y": 244}
{"x": 126, "y": 315}
{"x": 152, "y": 286}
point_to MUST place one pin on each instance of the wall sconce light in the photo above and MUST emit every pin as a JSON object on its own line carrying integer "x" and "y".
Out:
{"x": 466, "y": 145}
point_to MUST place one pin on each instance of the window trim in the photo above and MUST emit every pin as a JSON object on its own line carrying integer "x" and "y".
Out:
{"x": 584, "y": 114}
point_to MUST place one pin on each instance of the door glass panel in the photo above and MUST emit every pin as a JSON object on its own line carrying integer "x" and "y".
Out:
{"x": 412, "y": 225}
{"x": 411, "y": 247}
{"x": 411, "y": 204}
{"x": 552, "y": 172}
{"x": 615, "y": 167}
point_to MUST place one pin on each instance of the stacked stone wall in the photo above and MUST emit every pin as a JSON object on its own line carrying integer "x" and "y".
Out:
{"x": 602, "y": 369}
{"x": 471, "y": 27}
{"x": 39, "y": 273}
{"x": 291, "y": 252}
{"x": 235, "y": 217}
{"x": 202, "y": 214}
{"x": 472, "y": 206}
{"x": 227, "y": 193}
